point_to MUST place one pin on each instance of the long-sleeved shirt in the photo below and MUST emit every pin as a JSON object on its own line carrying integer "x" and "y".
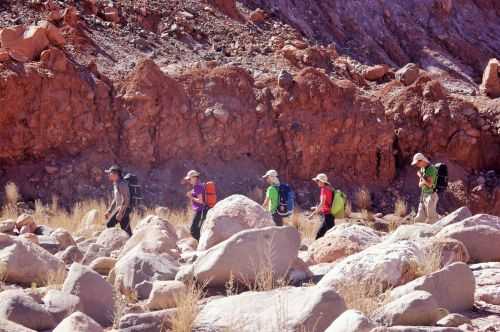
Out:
{"x": 121, "y": 198}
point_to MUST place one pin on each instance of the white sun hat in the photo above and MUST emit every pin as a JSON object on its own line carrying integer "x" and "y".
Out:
{"x": 191, "y": 174}
{"x": 419, "y": 157}
{"x": 321, "y": 177}
{"x": 271, "y": 172}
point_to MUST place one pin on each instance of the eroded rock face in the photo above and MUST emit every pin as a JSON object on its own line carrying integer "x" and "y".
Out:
{"x": 491, "y": 79}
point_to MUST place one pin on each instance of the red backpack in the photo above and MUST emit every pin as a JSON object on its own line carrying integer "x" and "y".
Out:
{"x": 210, "y": 194}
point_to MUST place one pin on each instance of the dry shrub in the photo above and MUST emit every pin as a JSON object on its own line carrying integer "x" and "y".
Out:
{"x": 256, "y": 194}
{"x": 367, "y": 215}
{"x": 55, "y": 279}
{"x": 431, "y": 261}
{"x": 12, "y": 196}
{"x": 400, "y": 208}
{"x": 177, "y": 217}
{"x": 348, "y": 209}
{"x": 187, "y": 308}
{"x": 363, "y": 199}
{"x": 364, "y": 295}
{"x": 306, "y": 227}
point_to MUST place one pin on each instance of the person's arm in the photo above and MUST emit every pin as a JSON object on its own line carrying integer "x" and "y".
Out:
{"x": 110, "y": 209}
{"x": 125, "y": 193}
{"x": 266, "y": 203}
{"x": 318, "y": 207}
{"x": 198, "y": 199}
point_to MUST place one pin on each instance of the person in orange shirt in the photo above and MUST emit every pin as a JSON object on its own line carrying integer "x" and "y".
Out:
{"x": 325, "y": 204}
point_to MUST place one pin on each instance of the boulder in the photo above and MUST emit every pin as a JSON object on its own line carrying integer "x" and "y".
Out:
{"x": 445, "y": 251}
{"x": 285, "y": 80}
{"x": 93, "y": 252}
{"x": 257, "y": 16}
{"x": 352, "y": 321}
{"x": 490, "y": 85}
{"x": 112, "y": 238}
{"x": 274, "y": 249}
{"x": 487, "y": 276}
{"x": 480, "y": 234}
{"x": 54, "y": 35}
{"x": 416, "y": 329}
{"x": 230, "y": 216}
{"x": 452, "y": 287}
{"x": 95, "y": 293}
{"x": 150, "y": 255}
{"x": 416, "y": 308}
{"x": 154, "y": 234}
{"x": 46, "y": 242}
{"x": 30, "y": 237}
{"x": 390, "y": 264}
{"x": 453, "y": 320}
{"x": 20, "y": 308}
{"x": 7, "y": 226}
{"x": 376, "y": 72}
{"x": 90, "y": 220}
{"x": 26, "y": 223}
{"x": 415, "y": 232}
{"x": 341, "y": 241}
{"x": 9, "y": 326}
{"x": 408, "y": 74}
{"x": 103, "y": 265}
{"x": 25, "y": 262}
{"x": 70, "y": 255}
{"x": 61, "y": 304}
{"x": 284, "y": 309}
{"x": 63, "y": 237}
{"x": 146, "y": 322}
{"x": 78, "y": 322}
{"x": 164, "y": 294}
{"x": 454, "y": 217}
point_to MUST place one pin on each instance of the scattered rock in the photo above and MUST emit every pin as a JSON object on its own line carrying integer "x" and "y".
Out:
{"x": 95, "y": 293}
{"x": 352, "y": 321}
{"x": 283, "y": 309}
{"x": 112, "y": 238}
{"x": 417, "y": 308}
{"x": 453, "y": 320}
{"x": 9, "y": 326}
{"x": 103, "y": 265}
{"x": 452, "y": 287}
{"x": 374, "y": 73}
{"x": 490, "y": 85}
{"x": 146, "y": 322}
{"x": 63, "y": 237}
{"x": 408, "y": 74}
{"x": 273, "y": 249}
{"x": 164, "y": 294}
{"x": 61, "y": 304}
{"x": 70, "y": 255}
{"x": 285, "y": 80}
{"x": 258, "y": 16}
{"x": 341, "y": 241}
{"x": 26, "y": 263}
{"x": 7, "y": 226}
{"x": 230, "y": 216}
{"x": 454, "y": 217}
{"x": 78, "y": 322}
{"x": 20, "y": 308}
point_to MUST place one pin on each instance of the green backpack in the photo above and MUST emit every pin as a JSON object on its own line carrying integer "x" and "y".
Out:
{"x": 338, "y": 204}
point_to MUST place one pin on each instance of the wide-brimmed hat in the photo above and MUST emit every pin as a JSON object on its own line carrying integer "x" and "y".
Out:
{"x": 191, "y": 174}
{"x": 113, "y": 169}
{"x": 321, "y": 177}
{"x": 269, "y": 173}
{"x": 419, "y": 157}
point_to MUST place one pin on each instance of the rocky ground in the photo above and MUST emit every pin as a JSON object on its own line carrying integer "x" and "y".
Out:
{"x": 244, "y": 274}
{"x": 233, "y": 89}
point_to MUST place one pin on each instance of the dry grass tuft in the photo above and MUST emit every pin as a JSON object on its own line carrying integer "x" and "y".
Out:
{"x": 12, "y": 196}
{"x": 431, "y": 261}
{"x": 348, "y": 209}
{"x": 400, "y": 208}
{"x": 364, "y": 295}
{"x": 367, "y": 215}
{"x": 363, "y": 199}
{"x": 306, "y": 227}
{"x": 55, "y": 280}
{"x": 187, "y": 308}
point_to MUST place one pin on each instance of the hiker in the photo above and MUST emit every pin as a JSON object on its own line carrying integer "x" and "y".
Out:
{"x": 271, "y": 202}
{"x": 119, "y": 210}
{"x": 195, "y": 196}
{"x": 427, "y": 175}
{"x": 325, "y": 204}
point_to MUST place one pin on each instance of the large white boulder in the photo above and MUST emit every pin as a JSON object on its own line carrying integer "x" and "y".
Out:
{"x": 230, "y": 216}
{"x": 480, "y": 234}
{"x": 487, "y": 276}
{"x": 95, "y": 293}
{"x": 284, "y": 309}
{"x": 164, "y": 294}
{"x": 341, "y": 241}
{"x": 248, "y": 254}
{"x": 452, "y": 287}
{"x": 390, "y": 264}
{"x": 456, "y": 216}
{"x": 415, "y": 232}
{"x": 61, "y": 304}
{"x": 10, "y": 326}
{"x": 112, "y": 238}
{"x": 352, "y": 321}
{"x": 23, "y": 262}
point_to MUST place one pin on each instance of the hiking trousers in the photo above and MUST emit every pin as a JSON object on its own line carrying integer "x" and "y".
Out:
{"x": 198, "y": 219}
{"x": 327, "y": 222}
{"x": 278, "y": 219}
{"x": 427, "y": 209}
{"x": 124, "y": 223}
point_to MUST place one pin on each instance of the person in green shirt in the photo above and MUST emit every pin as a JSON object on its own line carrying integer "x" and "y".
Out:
{"x": 427, "y": 178}
{"x": 271, "y": 201}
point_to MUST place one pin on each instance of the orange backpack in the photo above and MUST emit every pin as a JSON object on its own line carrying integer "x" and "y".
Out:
{"x": 210, "y": 194}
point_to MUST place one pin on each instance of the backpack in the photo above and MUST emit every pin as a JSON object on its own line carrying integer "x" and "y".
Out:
{"x": 286, "y": 200}
{"x": 338, "y": 204}
{"x": 135, "y": 189}
{"x": 442, "y": 178}
{"x": 210, "y": 194}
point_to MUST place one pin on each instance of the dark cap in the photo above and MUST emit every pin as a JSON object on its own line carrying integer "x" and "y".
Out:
{"x": 114, "y": 169}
